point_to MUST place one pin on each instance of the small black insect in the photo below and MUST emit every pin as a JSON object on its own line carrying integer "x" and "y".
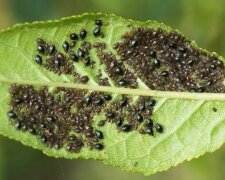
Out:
{"x": 31, "y": 130}
{"x": 74, "y": 57}
{"x": 151, "y": 103}
{"x": 138, "y": 117}
{"x": 18, "y": 100}
{"x": 172, "y": 45}
{"x": 214, "y": 109}
{"x": 87, "y": 61}
{"x": 159, "y": 128}
{"x": 50, "y": 119}
{"x": 74, "y": 36}
{"x": 97, "y": 31}
{"x": 133, "y": 43}
{"x": 51, "y": 49}
{"x": 18, "y": 125}
{"x": 43, "y": 139}
{"x": 119, "y": 122}
{"x": 122, "y": 82}
{"x": 65, "y": 46}
{"x": 119, "y": 71}
{"x": 149, "y": 122}
{"x": 84, "y": 79}
{"x": 126, "y": 128}
{"x": 152, "y": 54}
{"x": 57, "y": 62}
{"x": 156, "y": 63}
{"x": 141, "y": 106}
{"x": 123, "y": 102}
{"x": 98, "y": 22}
{"x": 150, "y": 131}
{"x": 88, "y": 100}
{"x": 99, "y": 134}
{"x": 38, "y": 59}
{"x": 110, "y": 114}
{"x": 83, "y": 34}
{"x": 11, "y": 114}
{"x": 164, "y": 73}
{"x": 80, "y": 53}
{"x": 98, "y": 146}
{"x": 98, "y": 101}
{"x": 42, "y": 126}
{"x": 41, "y": 49}
{"x": 107, "y": 97}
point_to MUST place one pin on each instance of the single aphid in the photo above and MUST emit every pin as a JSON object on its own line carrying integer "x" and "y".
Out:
{"x": 98, "y": 101}
{"x": 99, "y": 134}
{"x": 80, "y": 53}
{"x": 126, "y": 128}
{"x": 97, "y": 31}
{"x": 84, "y": 79}
{"x": 11, "y": 114}
{"x": 119, "y": 122}
{"x": 66, "y": 46}
{"x": 138, "y": 117}
{"x": 158, "y": 128}
{"x": 107, "y": 97}
{"x": 41, "y": 49}
{"x": 122, "y": 82}
{"x": 52, "y": 49}
{"x": 74, "y": 57}
{"x": 149, "y": 130}
{"x": 74, "y": 36}
{"x": 123, "y": 102}
{"x": 98, "y": 146}
{"x": 98, "y": 22}
{"x": 38, "y": 59}
{"x": 83, "y": 34}
{"x": 110, "y": 114}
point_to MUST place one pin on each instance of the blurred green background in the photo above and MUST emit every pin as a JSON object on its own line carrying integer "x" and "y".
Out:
{"x": 201, "y": 20}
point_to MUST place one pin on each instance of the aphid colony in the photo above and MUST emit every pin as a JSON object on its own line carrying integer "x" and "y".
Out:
{"x": 168, "y": 61}
{"x": 63, "y": 118}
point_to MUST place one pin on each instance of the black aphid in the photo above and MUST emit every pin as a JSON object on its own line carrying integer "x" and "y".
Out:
{"x": 74, "y": 57}
{"x": 152, "y": 54}
{"x": 138, "y": 117}
{"x": 57, "y": 62}
{"x": 32, "y": 130}
{"x": 158, "y": 128}
{"x": 41, "y": 49}
{"x": 150, "y": 131}
{"x": 119, "y": 71}
{"x": 87, "y": 61}
{"x": 119, "y": 122}
{"x": 11, "y": 114}
{"x": 18, "y": 100}
{"x": 164, "y": 73}
{"x": 98, "y": 101}
{"x": 110, "y": 114}
{"x": 151, "y": 103}
{"x": 101, "y": 123}
{"x": 141, "y": 106}
{"x": 83, "y": 34}
{"x": 18, "y": 125}
{"x": 214, "y": 109}
{"x": 133, "y": 43}
{"x": 74, "y": 36}
{"x": 80, "y": 53}
{"x": 99, "y": 134}
{"x": 43, "y": 139}
{"x": 107, "y": 97}
{"x": 126, "y": 128}
{"x": 42, "y": 126}
{"x": 66, "y": 46}
{"x": 88, "y": 100}
{"x": 122, "y": 82}
{"x": 84, "y": 79}
{"x": 156, "y": 63}
{"x": 97, "y": 31}
{"x": 52, "y": 49}
{"x": 149, "y": 122}
{"x": 98, "y": 22}
{"x": 38, "y": 59}
{"x": 50, "y": 119}
{"x": 98, "y": 146}
{"x": 123, "y": 102}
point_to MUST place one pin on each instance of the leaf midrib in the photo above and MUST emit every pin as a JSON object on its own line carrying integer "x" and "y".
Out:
{"x": 127, "y": 91}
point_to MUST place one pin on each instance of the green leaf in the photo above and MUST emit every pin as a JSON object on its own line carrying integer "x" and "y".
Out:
{"x": 193, "y": 123}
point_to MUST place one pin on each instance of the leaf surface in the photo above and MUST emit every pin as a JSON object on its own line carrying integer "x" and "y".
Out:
{"x": 191, "y": 127}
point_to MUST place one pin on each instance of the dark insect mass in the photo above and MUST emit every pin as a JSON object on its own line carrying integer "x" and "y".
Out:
{"x": 64, "y": 117}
